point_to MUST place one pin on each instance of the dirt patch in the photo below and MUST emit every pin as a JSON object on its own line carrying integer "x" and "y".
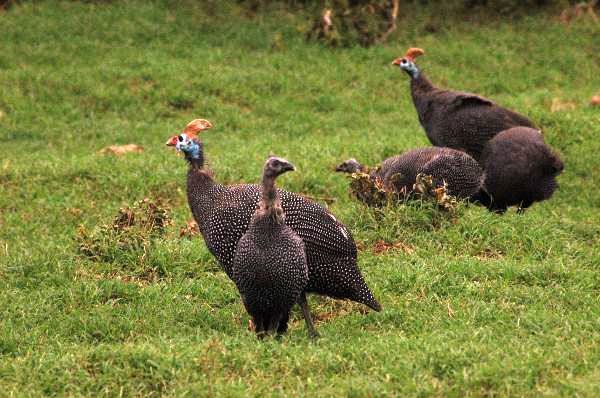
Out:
{"x": 122, "y": 149}
{"x": 559, "y": 105}
{"x": 141, "y": 281}
{"x": 381, "y": 247}
{"x": 489, "y": 254}
{"x": 339, "y": 308}
{"x": 189, "y": 230}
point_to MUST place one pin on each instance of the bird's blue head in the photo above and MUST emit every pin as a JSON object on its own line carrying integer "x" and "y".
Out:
{"x": 407, "y": 62}
{"x": 187, "y": 142}
{"x": 190, "y": 146}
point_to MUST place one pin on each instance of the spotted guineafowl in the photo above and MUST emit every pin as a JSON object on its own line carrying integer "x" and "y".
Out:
{"x": 461, "y": 173}
{"x": 520, "y": 169}
{"x": 223, "y": 214}
{"x": 269, "y": 266}
{"x": 456, "y": 119}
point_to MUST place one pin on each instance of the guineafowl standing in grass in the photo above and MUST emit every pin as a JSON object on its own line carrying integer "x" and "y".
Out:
{"x": 269, "y": 266}
{"x": 455, "y": 119}
{"x": 520, "y": 169}
{"x": 459, "y": 171}
{"x": 223, "y": 213}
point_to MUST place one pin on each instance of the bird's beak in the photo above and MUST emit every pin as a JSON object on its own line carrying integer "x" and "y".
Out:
{"x": 289, "y": 167}
{"x": 397, "y": 61}
{"x": 172, "y": 141}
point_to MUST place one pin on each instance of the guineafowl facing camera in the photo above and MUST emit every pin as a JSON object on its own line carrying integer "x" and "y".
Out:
{"x": 269, "y": 266}
{"x": 223, "y": 214}
{"x": 455, "y": 119}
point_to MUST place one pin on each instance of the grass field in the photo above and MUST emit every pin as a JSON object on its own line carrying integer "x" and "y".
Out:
{"x": 474, "y": 305}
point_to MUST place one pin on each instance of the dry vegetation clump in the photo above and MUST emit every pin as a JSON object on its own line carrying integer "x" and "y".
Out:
{"x": 189, "y": 230}
{"x": 372, "y": 192}
{"x": 382, "y": 247}
{"x": 369, "y": 190}
{"x": 427, "y": 189}
{"x": 132, "y": 231}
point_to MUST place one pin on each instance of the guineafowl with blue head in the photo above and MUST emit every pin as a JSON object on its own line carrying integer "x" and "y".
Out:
{"x": 455, "y": 119}
{"x": 223, "y": 214}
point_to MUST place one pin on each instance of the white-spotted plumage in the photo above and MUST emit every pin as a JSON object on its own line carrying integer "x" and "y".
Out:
{"x": 461, "y": 174}
{"x": 223, "y": 214}
{"x": 269, "y": 265}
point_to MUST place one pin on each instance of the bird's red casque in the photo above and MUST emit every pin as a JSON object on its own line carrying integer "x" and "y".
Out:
{"x": 191, "y": 130}
{"x": 410, "y": 55}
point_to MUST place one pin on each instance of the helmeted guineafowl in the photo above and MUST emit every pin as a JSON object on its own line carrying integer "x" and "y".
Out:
{"x": 269, "y": 266}
{"x": 455, "y": 119}
{"x": 520, "y": 169}
{"x": 461, "y": 173}
{"x": 223, "y": 214}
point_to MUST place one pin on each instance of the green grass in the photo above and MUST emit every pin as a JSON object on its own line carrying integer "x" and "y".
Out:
{"x": 477, "y": 305}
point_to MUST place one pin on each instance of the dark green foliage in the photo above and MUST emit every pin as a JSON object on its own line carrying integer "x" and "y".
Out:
{"x": 505, "y": 7}
{"x": 353, "y": 22}
{"x": 369, "y": 22}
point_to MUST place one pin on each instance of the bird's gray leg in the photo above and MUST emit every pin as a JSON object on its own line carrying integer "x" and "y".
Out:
{"x": 523, "y": 206}
{"x": 312, "y": 333}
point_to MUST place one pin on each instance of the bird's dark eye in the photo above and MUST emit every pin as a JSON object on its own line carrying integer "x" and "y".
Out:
{"x": 403, "y": 61}
{"x": 180, "y": 138}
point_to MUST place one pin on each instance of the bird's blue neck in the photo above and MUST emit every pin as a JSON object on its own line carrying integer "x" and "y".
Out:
{"x": 414, "y": 71}
{"x": 194, "y": 154}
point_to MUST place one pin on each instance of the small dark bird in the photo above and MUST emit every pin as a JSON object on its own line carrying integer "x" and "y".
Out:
{"x": 269, "y": 266}
{"x": 223, "y": 214}
{"x": 520, "y": 169}
{"x": 455, "y": 119}
{"x": 351, "y": 166}
{"x": 459, "y": 171}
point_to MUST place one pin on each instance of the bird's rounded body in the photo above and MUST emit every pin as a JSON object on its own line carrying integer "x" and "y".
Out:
{"x": 223, "y": 214}
{"x": 270, "y": 272}
{"x": 460, "y": 120}
{"x": 455, "y": 119}
{"x": 520, "y": 169}
{"x": 461, "y": 174}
